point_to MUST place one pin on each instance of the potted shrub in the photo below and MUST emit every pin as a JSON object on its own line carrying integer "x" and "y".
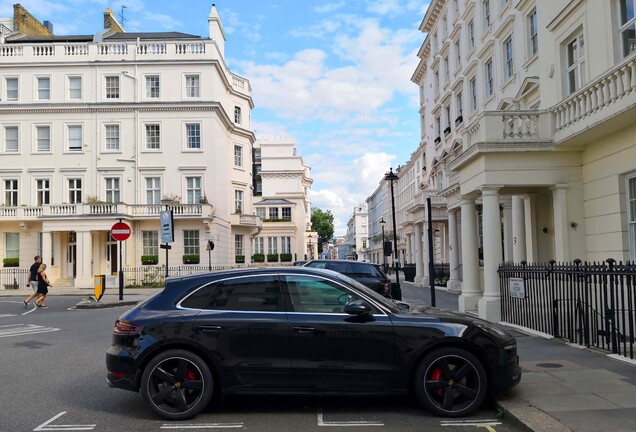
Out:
{"x": 149, "y": 259}
{"x": 285, "y": 257}
{"x": 258, "y": 257}
{"x": 191, "y": 259}
{"x": 272, "y": 257}
{"x": 239, "y": 259}
{"x": 11, "y": 262}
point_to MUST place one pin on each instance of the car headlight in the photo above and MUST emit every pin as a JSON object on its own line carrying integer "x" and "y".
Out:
{"x": 493, "y": 330}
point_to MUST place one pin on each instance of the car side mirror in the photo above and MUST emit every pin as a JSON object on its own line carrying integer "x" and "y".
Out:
{"x": 357, "y": 307}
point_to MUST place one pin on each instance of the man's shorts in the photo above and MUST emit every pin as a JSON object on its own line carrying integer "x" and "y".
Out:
{"x": 34, "y": 285}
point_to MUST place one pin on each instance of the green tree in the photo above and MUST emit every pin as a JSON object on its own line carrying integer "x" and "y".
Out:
{"x": 322, "y": 223}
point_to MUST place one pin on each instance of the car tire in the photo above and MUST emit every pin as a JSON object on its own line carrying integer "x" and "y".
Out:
{"x": 177, "y": 384}
{"x": 451, "y": 382}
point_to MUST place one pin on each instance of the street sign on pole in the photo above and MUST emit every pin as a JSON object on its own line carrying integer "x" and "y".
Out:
{"x": 120, "y": 231}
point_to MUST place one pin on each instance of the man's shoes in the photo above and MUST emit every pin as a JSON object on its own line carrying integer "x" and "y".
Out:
{"x": 43, "y": 307}
{"x": 37, "y": 306}
{"x": 24, "y": 303}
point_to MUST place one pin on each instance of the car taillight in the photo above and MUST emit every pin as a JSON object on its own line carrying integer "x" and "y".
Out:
{"x": 387, "y": 288}
{"x": 123, "y": 327}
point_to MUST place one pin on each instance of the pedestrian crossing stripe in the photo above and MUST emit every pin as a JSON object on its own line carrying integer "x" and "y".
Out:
{"x": 24, "y": 329}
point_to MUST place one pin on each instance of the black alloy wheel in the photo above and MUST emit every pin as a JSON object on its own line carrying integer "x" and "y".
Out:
{"x": 451, "y": 382}
{"x": 177, "y": 384}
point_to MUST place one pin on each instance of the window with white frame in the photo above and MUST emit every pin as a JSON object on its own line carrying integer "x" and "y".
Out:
{"x": 285, "y": 245}
{"x": 458, "y": 55}
{"x": 237, "y": 115}
{"x": 44, "y": 88}
{"x": 193, "y": 190}
{"x": 152, "y": 86}
{"x": 191, "y": 242}
{"x": 75, "y": 87}
{"x": 490, "y": 83}
{"x": 259, "y": 247}
{"x": 272, "y": 245}
{"x": 285, "y": 213}
{"x": 437, "y": 83}
{"x": 43, "y": 136}
{"x": 459, "y": 106}
{"x": 11, "y": 139}
{"x": 150, "y": 243}
{"x": 533, "y": 33}
{"x": 74, "y": 138}
{"x": 238, "y": 201}
{"x": 193, "y": 135}
{"x": 438, "y": 127}
{"x": 631, "y": 213}
{"x": 472, "y": 84}
{"x": 11, "y": 193}
{"x": 447, "y": 114}
{"x": 112, "y": 189}
{"x": 628, "y": 26}
{"x": 153, "y": 190}
{"x": 153, "y": 136}
{"x": 12, "y": 89}
{"x": 575, "y": 63}
{"x": 238, "y": 156}
{"x": 456, "y": 8}
{"x": 112, "y": 87}
{"x": 74, "y": 190}
{"x": 238, "y": 244}
{"x": 485, "y": 4}
{"x": 192, "y": 86}
{"x": 111, "y": 132}
{"x": 260, "y": 212}
{"x": 446, "y": 70}
{"x": 508, "y": 65}
{"x": 273, "y": 213}
{"x": 471, "y": 34}
{"x": 43, "y": 191}
{"x": 12, "y": 245}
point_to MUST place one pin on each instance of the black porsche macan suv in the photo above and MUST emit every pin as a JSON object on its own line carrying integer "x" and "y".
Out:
{"x": 298, "y": 330}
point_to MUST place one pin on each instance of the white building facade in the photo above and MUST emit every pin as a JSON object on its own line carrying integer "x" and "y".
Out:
{"x": 119, "y": 126}
{"x": 527, "y": 112}
{"x": 357, "y": 235}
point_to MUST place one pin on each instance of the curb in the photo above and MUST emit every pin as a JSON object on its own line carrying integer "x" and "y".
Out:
{"x": 91, "y": 303}
{"x": 528, "y": 417}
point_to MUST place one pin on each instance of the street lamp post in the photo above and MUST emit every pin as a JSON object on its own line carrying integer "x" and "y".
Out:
{"x": 311, "y": 249}
{"x": 391, "y": 176}
{"x": 382, "y": 223}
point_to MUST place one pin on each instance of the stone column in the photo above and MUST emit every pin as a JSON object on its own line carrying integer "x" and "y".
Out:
{"x": 419, "y": 265}
{"x": 530, "y": 206}
{"x": 518, "y": 230}
{"x": 454, "y": 283}
{"x": 507, "y": 230}
{"x": 46, "y": 247}
{"x": 561, "y": 241}
{"x": 471, "y": 290}
{"x": 490, "y": 304}
{"x": 408, "y": 258}
{"x": 83, "y": 258}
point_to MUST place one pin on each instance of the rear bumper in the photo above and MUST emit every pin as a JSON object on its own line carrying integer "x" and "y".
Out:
{"x": 121, "y": 370}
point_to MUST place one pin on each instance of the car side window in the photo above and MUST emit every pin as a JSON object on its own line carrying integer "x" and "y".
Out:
{"x": 362, "y": 270}
{"x": 317, "y": 295}
{"x": 254, "y": 294}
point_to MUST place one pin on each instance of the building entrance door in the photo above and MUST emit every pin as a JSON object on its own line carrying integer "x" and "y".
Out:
{"x": 72, "y": 254}
{"x": 113, "y": 257}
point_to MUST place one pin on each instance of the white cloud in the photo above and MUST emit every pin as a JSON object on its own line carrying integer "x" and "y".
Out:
{"x": 328, "y": 7}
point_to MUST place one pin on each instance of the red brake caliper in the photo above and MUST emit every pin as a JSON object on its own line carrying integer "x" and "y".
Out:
{"x": 435, "y": 376}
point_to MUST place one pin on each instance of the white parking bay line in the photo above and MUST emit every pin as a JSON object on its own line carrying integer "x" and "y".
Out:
{"x": 24, "y": 329}
{"x": 486, "y": 424}
{"x": 323, "y": 423}
{"x": 7, "y": 315}
{"x": 201, "y": 425}
{"x": 47, "y": 426}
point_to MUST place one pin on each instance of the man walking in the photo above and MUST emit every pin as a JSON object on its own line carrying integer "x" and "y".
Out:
{"x": 33, "y": 280}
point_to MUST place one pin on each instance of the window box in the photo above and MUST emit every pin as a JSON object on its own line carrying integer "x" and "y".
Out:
{"x": 459, "y": 120}
{"x": 258, "y": 257}
{"x": 191, "y": 259}
{"x": 239, "y": 259}
{"x": 285, "y": 257}
{"x": 272, "y": 257}
{"x": 149, "y": 259}
{"x": 11, "y": 262}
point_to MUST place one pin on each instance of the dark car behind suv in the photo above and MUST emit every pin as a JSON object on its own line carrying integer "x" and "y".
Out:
{"x": 368, "y": 274}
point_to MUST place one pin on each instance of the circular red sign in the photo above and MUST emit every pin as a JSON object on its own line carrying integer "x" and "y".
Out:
{"x": 120, "y": 231}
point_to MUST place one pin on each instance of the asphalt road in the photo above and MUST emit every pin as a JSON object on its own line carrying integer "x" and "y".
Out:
{"x": 53, "y": 379}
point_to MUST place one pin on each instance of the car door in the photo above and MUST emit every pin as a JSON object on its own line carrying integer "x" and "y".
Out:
{"x": 332, "y": 350}
{"x": 242, "y": 324}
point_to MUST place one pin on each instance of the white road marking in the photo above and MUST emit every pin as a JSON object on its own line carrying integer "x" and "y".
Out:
{"x": 201, "y": 425}
{"x": 45, "y": 426}
{"x": 487, "y": 424}
{"x": 321, "y": 422}
{"x": 7, "y": 315}
{"x": 24, "y": 329}
{"x": 29, "y": 311}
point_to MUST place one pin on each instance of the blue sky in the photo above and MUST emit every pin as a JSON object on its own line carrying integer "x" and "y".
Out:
{"x": 333, "y": 75}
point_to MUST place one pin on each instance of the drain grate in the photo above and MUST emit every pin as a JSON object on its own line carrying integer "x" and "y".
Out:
{"x": 549, "y": 365}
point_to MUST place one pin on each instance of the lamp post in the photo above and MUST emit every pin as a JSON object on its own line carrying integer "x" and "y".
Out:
{"x": 391, "y": 176}
{"x": 311, "y": 249}
{"x": 382, "y": 223}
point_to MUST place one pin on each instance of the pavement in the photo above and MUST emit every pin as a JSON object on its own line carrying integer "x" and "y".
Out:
{"x": 564, "y": 387}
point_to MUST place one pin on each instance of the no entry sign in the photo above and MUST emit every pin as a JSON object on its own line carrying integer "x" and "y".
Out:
{"x": 120, "y": 231}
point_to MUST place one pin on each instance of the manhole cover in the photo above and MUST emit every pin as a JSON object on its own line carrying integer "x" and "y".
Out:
{"x": 549, "y": 365}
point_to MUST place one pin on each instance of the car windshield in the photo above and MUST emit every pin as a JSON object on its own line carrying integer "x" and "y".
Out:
{"x": 387, "y": 303}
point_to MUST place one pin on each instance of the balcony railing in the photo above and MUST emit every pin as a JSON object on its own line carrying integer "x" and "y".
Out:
{"x": 102, "y": 209}
{"x": 247, "y": 220}
{"x": 510, "y": 127}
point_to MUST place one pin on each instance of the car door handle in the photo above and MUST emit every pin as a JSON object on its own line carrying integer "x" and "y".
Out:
{"x": 304, "y": 330}
{"x": 210, "y": 328}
